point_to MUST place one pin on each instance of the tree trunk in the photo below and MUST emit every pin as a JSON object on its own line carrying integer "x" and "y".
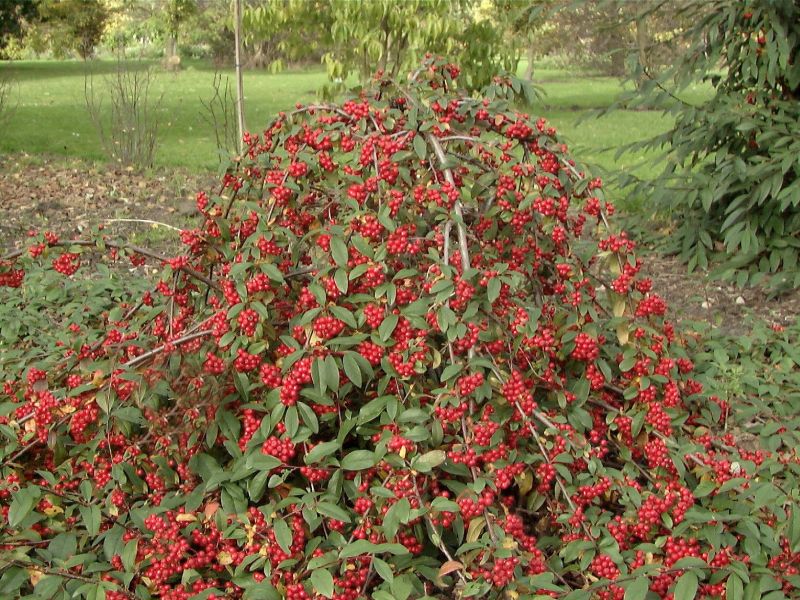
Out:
{"x": 642, "y": 40}
{"x": 529, "y": 66}
{"x": 172, "y": 47}
{"x": 172, "y": 60}
{"x": 399, "y": 50}
{"x": 618, "y": 56}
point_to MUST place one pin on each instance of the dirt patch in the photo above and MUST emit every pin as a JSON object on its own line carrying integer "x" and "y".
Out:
{"x": 70, "y": 196}
{"x": 696, "y": 297}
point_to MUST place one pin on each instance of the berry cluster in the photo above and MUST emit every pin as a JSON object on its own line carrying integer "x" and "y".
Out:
{"x": 397, "y": 299}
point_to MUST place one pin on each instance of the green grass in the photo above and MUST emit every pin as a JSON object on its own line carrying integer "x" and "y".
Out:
{"x": 570, "y": 102}
{"x": 51, "y": 116}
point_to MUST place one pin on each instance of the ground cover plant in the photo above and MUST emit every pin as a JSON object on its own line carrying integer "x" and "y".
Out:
{"x": 404, "y": 355}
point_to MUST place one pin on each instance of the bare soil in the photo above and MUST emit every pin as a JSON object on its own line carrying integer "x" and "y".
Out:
{"x": 696, "y": 297}
{"x": 70, "y": 196}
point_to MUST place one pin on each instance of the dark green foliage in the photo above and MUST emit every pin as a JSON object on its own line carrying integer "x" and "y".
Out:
{"x": 69, "y": 26}
{"x": 731, "y": 174}
{"x": 758, "y": 373}
{"x": 36, "y": 322}
{"x": 13, "y": 14}
{"x": 356, "y": 38}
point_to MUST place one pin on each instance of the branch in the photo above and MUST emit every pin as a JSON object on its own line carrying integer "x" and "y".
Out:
{"x": 65, "y": 574}
{"x": 181, "y": 340}
{"x": 149, "y": 221}
{"x": 128, "y": 247}
{"x": 460, "y": 227}
{"x": 433, "y": 532}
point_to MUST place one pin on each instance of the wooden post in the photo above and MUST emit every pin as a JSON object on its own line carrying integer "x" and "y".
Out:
{"x": 237, "y": 32}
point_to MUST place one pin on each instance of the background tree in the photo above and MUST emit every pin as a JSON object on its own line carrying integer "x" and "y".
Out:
{"x": 72, "y": 25}
{"x": 13, "y": 17}
{"x": 176, "y": 14}
{"x": 600, "y": 34}
{"x": 284, "y": 32}
{"x": 208, "y": 32}
{"x": 521, "y": 26}
{"x": 357, "y": 38}
{"x": 731, "y": 174}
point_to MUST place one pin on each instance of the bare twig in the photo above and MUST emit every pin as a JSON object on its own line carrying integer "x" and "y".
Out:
{"x": 148, "y": 221}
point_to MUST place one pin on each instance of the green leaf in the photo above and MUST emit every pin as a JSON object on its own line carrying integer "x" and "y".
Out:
{"x": 322, "y": 581}
{"x": 358, "y": 460}
{"x": 262, "y": 462}
{"x": 320, "y": 451}
{"x": 686, "y": 586}
{"x": 91, "y": 518}
{"x": 319, "y": 374}
{"x": 364, "y": 547}
{"x": 63, "y": 546}
{"x": 129, "y": 555}
{"x": 734, "y": 588}
{"x": 451, "y": 371}
{"x": 420, "y": 146}
{"x": 398, "y": 513}
{"x": 292, "y": 421}
{"x": 131, "y": 414}
{"x": 493, "y": 289}
{"x": 429, "y": 460}
{"x": 332, "y": 373}
{"x": 341, "y": 313}
{"x": 11, "y": 581}
{"x": 329, "y": 509}
{"x": 273, "y": 272}
{"x": 22, "y": 504}
{"x": 351, "y": 368}
{"x": 283, "y": 534}
{"x": 339, "y": 251}
{"x": 704, "y": 488}
{"x": 309, "y": 416}
{"x": 383, "y": 569}
{"x": 372, "y": 409}
{"x": 387, "y": 327}
{"x": 341, "y": 280}
{"x": 637, "y": 589}
{"x": 48, "y": 586}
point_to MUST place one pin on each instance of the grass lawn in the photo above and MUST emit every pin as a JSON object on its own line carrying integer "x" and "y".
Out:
{"x": 51, "y": 116}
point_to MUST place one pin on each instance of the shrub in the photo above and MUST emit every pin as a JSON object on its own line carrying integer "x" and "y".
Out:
{"x": 731, "y": 176}
{"x": 220, "y": 114}
{"x": 403, "y": 357}
{"x": 129, "y": 131}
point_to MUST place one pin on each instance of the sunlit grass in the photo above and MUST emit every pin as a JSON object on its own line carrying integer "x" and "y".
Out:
{"x": 51, "y": 115}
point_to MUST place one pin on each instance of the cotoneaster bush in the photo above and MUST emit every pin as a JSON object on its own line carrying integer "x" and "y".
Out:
{"x": 402, "y": 356}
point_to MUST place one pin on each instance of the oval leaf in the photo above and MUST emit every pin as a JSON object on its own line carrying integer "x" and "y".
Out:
{"x": 322, "y": 581}
{"x": 637, "y": 589}
{"x": 358, "y": 460}
{"x": 687, "y": 584}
